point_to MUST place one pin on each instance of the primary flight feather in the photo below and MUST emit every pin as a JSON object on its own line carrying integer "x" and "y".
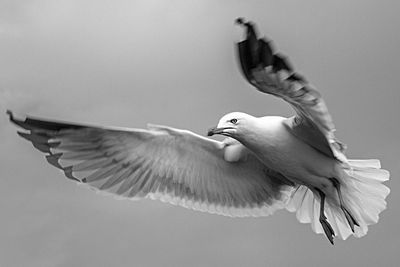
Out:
{"x": 263, "y": 165}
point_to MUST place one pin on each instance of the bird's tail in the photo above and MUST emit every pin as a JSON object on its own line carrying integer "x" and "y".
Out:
{"x": 363, "y": 192}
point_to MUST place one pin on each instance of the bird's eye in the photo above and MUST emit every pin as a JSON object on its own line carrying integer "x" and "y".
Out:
{"x": 233, "y": 121}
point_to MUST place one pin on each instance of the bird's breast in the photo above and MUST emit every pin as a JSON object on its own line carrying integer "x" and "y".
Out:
{"x": 281, "y": 151}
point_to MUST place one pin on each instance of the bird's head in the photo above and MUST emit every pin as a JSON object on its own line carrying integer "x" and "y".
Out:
{"x": 232, "y": 125}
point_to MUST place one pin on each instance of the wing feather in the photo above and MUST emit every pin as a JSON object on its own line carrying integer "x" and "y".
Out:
{"x": 163, "y": 163}
{"x": 313, "y": 123}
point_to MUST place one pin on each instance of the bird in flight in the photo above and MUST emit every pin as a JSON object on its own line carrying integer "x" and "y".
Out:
{"x": 263, "y": 165}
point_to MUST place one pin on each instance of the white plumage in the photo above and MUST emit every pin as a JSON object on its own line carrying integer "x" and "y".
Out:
{"x": 265, "y": 164}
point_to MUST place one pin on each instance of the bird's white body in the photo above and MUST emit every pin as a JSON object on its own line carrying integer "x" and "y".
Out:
{"x": 269, "y": 138}
{"x": 273, "y": 143}
{"x": 266, "y": 164}
{"x": 318, "y": 177}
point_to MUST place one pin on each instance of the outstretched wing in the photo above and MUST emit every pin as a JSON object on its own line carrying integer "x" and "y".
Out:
{"x": 163, "y": 163}
{"x": 272, "y": 73}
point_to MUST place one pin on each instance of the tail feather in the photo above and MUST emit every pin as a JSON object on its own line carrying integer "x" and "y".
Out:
{"x": 304, "y": 214}
{"x": 365, "y": 163}
{"x": 315, "y": 223}
{"x": 363, "y": 193}
{"x": 366, "y": 191}
{"x": 370, "y": 174}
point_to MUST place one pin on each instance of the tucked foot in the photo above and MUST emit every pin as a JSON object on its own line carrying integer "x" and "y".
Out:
{"x": 350, "y": 219}
{"x": 322, "y": 218}
{"x": 327, "y": 229}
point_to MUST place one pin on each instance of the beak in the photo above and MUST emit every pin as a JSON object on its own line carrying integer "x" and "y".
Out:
{"x": 212, "y": 131}
{"x": 216, "y": 130}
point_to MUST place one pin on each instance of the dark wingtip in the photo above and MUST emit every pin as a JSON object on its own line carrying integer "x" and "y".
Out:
{"x": 281, "y": 62}
{"x": 24, "y": 135}
{"x": 53, "y": 160}
{"x": 240, "y": 21}
{"x": 297, "y": 77}
{"x": 18, "y": 122}
{"x": 10, "y": 115}
{"x": 68, "y": 173}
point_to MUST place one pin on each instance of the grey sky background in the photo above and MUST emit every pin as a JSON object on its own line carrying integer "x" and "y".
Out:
{"x": 127, "y": 63}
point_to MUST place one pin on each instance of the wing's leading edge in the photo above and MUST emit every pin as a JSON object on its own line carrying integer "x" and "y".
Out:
{"x": 172, "y": 165}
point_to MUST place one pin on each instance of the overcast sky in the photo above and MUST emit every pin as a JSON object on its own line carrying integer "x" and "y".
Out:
{"x": 127, "y": 63}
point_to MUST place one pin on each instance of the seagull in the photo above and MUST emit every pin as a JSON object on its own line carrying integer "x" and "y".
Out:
{"x": 264, "y": 164}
